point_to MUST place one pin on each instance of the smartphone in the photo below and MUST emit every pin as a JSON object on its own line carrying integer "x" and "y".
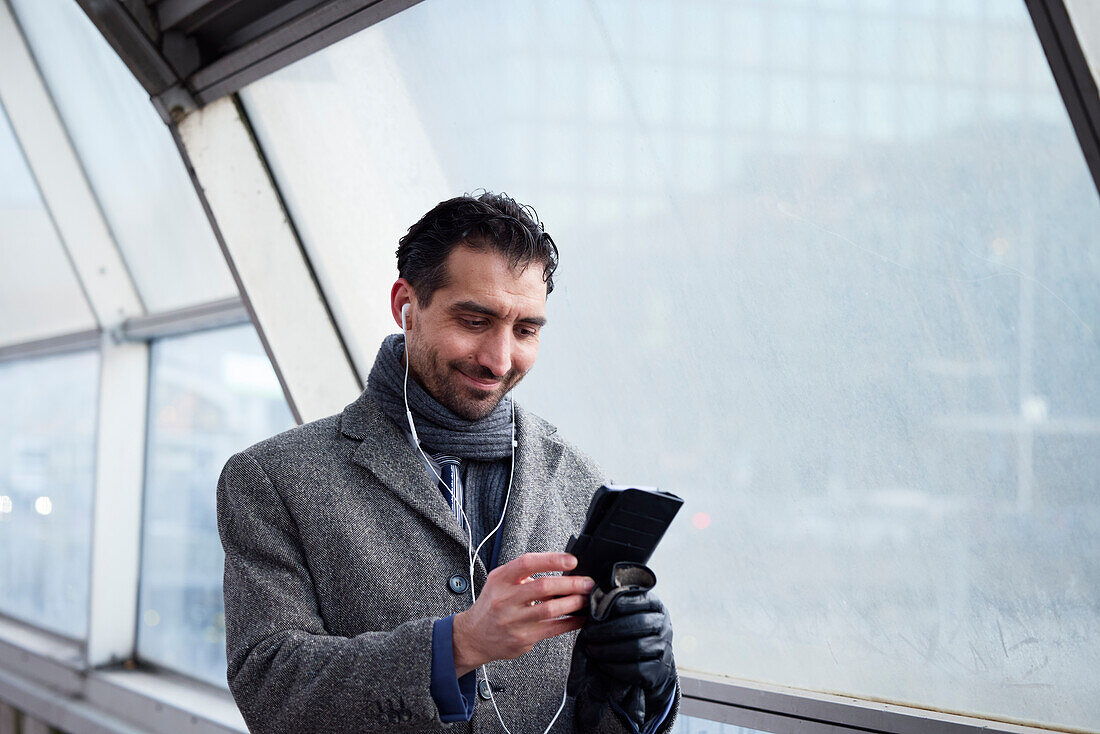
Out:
{"x": 623, "y": 523}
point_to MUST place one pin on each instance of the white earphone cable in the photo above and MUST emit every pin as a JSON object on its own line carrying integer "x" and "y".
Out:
{"x": 469, "y": 530}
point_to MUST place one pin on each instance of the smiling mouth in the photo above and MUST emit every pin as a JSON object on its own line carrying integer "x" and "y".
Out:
{"x": 486, "y": 385}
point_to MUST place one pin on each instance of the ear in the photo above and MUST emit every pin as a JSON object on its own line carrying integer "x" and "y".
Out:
{"x": 401, "y": 294}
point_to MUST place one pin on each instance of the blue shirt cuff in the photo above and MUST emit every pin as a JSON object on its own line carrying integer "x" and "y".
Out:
{"x": 454, "y": 697}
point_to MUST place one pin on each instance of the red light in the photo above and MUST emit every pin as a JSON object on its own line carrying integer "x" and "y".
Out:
{"x": 701, "y": 521}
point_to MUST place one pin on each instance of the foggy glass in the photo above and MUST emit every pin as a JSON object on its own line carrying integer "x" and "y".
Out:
{"x": 39, "y": 292}
{"x": 829, "y": 271}
{"x": 47, "y": 472}
{"x": 213, "y": 394}
{"x": 694, "y": 725}
{"x": 130, "y": 159}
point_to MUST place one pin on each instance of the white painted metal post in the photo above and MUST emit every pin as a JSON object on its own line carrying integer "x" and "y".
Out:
{"x": 267, "y": 260}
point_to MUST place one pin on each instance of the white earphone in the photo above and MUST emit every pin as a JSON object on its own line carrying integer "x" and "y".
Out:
{"x": 408, "y": 411}
{"x": 469, "y": 530}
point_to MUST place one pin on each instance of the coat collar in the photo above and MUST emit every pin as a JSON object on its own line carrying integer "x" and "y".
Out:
{"x": 385, "y": 451}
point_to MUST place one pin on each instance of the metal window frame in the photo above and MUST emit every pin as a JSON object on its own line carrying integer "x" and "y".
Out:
{"x": 218, "y": 314}
{"x": 75, "y": 341}
{"x": 44, "y": 676}
{"x": 55, "y": 678}
{"x": 312, "y": 31}
{"x": 782, "y": 710}
{"x": 176, "y": 91}
{"x": 222, "y": 313}
{"x": 1072, "y": 75}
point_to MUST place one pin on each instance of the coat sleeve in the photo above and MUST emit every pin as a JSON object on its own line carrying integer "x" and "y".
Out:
{"x": 286, "y": 673}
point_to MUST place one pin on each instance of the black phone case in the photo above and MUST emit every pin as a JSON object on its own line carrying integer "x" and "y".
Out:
{"x": 623, "y": 524}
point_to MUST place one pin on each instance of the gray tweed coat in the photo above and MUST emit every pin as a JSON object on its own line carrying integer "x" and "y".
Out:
{"x": 338, "y": 550}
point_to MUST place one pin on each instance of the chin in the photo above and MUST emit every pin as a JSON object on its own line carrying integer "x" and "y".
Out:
{"x": 477, "y": 411}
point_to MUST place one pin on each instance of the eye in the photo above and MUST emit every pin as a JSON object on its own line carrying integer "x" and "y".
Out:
{"x": 475, "y": 323}
{"x": 527, "y": 331}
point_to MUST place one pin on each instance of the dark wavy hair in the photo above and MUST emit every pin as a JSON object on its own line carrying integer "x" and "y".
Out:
{"x": 486, "y": 222}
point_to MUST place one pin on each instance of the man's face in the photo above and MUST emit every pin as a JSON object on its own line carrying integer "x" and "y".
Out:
{"x": 480, "y": 335}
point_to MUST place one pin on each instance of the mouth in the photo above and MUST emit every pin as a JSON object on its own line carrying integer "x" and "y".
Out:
{"x": 481, "y": 384}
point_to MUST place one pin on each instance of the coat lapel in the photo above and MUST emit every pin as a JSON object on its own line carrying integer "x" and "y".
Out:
{"x": 386, "y": 453}
{"x": 537, "y": 458}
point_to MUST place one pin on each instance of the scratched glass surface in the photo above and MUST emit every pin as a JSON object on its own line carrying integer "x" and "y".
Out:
{"x": 829, "y": 271}
{"x": 39, "y": 293}
{"x": 212, "y": 394}
{"x": 694, "y": 725}
{"x": 47, "y": 471}
{"x": 129, "y": 157}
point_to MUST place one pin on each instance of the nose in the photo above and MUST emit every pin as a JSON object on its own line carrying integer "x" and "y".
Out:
{"x": 495, "y": 353}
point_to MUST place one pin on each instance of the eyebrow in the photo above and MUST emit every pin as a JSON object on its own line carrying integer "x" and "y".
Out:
{"x": 476, "y": 307}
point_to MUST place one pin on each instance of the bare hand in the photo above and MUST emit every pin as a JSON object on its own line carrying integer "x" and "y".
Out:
{"x": 505, "y": 621}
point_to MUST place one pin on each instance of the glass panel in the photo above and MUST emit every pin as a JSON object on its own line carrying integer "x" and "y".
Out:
{"x": 47, "y": 470}
{"x": 830, "y": 271}
{"x": 212, "y": 394}
{"x": 39, "y": 293}
{"x": 130, "y": 159}
{"x": 692, "y": 725}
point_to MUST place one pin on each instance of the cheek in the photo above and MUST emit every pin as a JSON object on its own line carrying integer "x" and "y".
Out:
{"x": 524, "y": 357}
{"x": 456, "y": 346}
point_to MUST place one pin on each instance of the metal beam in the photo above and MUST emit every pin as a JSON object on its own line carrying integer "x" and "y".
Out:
{"x": 310, "y": 32}
{"x": 781, "y": 710}
{"x": 212, "y": 315}
{"x": 1072, "y": 75}
{"x": 116, "y": 511}
{"x": 167, "y": 63}
{"x": 267, "y": 260}
{"x": 42, "y": 674}
{"x": 62, "y": 344}
{"x": 132, "y": 44}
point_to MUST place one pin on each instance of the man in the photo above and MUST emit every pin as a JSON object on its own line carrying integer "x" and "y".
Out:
{"x": 350, "y": 540}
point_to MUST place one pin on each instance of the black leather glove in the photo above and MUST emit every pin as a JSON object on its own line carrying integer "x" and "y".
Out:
{"x": 624, "y": 652}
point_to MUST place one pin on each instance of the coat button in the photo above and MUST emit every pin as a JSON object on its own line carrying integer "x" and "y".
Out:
{"x": 483, "y": 690}
{"x": 458, "y": 584}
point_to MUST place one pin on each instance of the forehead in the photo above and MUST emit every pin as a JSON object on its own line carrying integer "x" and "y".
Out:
{"x": 486, "y": 275}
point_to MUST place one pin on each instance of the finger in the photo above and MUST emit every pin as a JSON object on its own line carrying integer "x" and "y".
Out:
{"x": 629, "y": 627}
{"x": 560, "y": 606}
{"x": 633, "y": 602}
{"x": 643, "y": 674}
{"x": 549, "y": 587}
{"x": 650, "y": 647}
{"x": 555, "y": 627}
{"x": 531, "y": 563}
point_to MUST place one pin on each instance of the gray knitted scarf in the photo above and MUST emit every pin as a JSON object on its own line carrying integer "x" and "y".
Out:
{"x": 439, "y": 429}
{"x": 483, "y": 445}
